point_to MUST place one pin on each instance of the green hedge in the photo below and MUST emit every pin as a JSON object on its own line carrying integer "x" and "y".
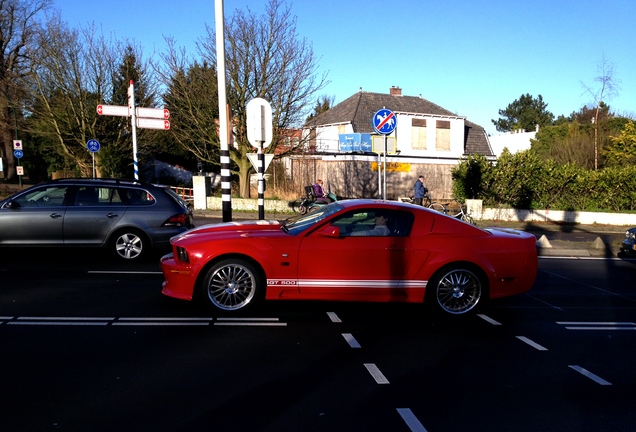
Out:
{"x": 524, "y": 181}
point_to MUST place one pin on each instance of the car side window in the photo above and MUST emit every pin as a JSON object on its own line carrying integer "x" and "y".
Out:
{"x": 96, "y": 196}
{"x": 49, "y": 196}
{"x": 364, "y": 222}
{"x": 137, "y": 197}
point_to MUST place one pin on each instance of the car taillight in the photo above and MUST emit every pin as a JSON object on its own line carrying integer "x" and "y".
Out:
{"x": 177, "y": 220}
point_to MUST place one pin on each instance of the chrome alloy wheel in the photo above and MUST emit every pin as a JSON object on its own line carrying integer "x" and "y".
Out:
{"x": 129, "y": 246}
{"x": 458, "y": 290}
{"x": 230, "y": 285}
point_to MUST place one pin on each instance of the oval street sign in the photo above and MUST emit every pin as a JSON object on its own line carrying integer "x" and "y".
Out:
{"x": 259, "y": 122}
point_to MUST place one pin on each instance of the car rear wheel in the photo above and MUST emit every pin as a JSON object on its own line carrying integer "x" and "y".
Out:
{"x": 231, "y": 285}
{"x": 457, "y": 289}
{"x": 129, "y": 244}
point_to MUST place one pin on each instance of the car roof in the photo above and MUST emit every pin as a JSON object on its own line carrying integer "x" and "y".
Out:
{"x": 109, "y": 181}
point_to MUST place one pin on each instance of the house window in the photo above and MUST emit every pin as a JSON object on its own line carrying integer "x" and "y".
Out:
{"x": 442, "y": 135}
{"x": 418, "y": 134}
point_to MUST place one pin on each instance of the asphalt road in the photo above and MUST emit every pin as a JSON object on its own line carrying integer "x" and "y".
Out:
{"x": 90, "y": 344}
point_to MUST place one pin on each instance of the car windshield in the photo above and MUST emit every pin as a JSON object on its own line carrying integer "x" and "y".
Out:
{"x": 300, "y": 224}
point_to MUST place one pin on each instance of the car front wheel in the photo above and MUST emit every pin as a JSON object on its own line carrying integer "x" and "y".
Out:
{"x": 231, "y": 285}
{"x": 129, "y": 244}
{"x": 457, "y": 289}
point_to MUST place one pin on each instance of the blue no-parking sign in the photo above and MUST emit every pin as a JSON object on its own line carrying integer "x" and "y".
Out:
{"x": 384, "y": 121}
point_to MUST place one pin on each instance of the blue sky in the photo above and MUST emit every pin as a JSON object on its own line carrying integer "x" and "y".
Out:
{"x": 472, "y": 57}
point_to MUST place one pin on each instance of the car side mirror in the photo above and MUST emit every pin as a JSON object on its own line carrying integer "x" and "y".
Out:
{"x": 330, "y": 231}
{"x": 11, "y": 205}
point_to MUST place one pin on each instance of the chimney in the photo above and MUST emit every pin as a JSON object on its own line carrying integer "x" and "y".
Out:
{"x": 395, "y": 91}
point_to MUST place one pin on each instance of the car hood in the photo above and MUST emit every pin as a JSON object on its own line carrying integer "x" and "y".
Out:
{"x": 242, "y": 229}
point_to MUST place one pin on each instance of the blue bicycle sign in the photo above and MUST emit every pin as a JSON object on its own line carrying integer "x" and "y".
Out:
{"x": 93, "y": 146}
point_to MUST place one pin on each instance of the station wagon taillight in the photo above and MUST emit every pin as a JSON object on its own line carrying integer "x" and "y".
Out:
{"x": 177, "y": 220}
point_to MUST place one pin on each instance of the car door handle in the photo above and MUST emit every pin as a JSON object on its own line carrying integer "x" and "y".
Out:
{"x": 55, "y": 215}
{"x": 112, "y": 215}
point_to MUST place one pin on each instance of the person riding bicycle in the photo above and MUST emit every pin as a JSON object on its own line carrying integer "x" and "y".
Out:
{"x": 419, "y": 190}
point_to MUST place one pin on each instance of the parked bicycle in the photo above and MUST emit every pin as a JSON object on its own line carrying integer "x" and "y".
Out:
{"x": 427, "y": 202}
{"x": 462, "y": 212}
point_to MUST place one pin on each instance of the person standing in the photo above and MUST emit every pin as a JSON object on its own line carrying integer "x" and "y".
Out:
{"x": 419, "y": 191}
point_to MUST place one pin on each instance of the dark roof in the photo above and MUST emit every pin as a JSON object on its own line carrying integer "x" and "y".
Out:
{"x": 359, "y": 109}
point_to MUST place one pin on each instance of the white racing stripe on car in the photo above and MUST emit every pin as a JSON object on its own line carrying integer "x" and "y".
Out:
{"x": 362, "y": 283}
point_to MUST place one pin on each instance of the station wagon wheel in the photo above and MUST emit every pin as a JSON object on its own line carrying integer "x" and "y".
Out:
{"x": 231, "y": 284}
{"x": 457, "y": 289}
{"x": 129, "y": 244}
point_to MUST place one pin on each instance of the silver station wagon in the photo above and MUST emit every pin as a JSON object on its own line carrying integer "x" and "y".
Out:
{"x": 127, "y": 216}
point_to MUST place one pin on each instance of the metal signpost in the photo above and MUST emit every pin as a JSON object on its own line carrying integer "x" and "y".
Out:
{"x": 19, "y": 154}
{"x": 384, "y": 122}
{"x": 93, "y": 146}
{"x": 259, "y": 134}
{"x": 144, "y": 118}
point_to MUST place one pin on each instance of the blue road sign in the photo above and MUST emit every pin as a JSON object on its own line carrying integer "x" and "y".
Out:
{"x": 92, "y": 146}
{"x": 384, "y": 121}
{"x": 18, "y": 154}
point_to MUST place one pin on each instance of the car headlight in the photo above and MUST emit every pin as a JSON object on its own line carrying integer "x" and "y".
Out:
{"x": 630, "y": 235}
{"x": 182, "y": 254}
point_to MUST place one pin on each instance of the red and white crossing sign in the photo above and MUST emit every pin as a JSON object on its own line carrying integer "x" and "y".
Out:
{"x": 155, "y": 113}
{"x": 146, "y": 123}
{"x": 113, "y": 110}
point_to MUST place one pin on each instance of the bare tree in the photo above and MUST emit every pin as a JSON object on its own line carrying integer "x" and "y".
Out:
{"x": 17, "y": 23}
{"x": 265, "y": 58}
{"x": 76, "y": 70}
{"x": 608, "y": 87}
{"x": 192, "y": 98}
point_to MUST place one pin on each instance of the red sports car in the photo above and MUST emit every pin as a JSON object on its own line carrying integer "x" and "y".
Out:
{"x": 354, "y": 250}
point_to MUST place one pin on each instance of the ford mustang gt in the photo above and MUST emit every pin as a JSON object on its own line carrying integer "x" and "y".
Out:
{"x": 353, "y": 250}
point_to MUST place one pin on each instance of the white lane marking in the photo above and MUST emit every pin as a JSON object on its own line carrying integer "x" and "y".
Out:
{"x": 333, "y": 317}
{"x": 622, "y": 323}
{"x": 376, "y": 374}
{"x": 139, "y": 321}
{"x": 590, "y": 375}
{"x": 155, "y": 323}
{"x": 411, "y": 421}
{"x": 584, "y": 258}
{"x": 587, "y": 285}
{"x": 353, "y": 343}
{"x": 488, "y": 319}
{"x": 66, "y": 318}
{"x": 59, "y": 323}
{"x": 250, "y": 324}
{"x": 531, "y": 343}
{"x": 124, "y": 272}
{"x": 607, "y": 325}
{"x": 165, "y": 319}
